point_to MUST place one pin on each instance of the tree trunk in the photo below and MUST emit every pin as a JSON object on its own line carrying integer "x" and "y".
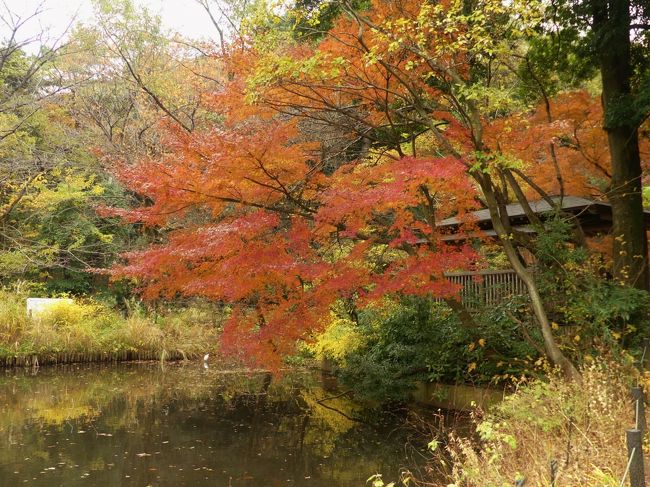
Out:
{"x": 628, "y": 230}
{"x": 611, "y": 27}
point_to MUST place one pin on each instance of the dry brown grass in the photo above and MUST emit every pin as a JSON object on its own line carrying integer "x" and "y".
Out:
{"x": 581, "y": 426}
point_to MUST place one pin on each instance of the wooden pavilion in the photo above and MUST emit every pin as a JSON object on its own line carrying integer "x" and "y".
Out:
{"x": 490, "y": 287}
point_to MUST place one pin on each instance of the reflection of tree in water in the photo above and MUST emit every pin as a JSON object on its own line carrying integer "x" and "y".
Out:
{"x": 251, "y": 427}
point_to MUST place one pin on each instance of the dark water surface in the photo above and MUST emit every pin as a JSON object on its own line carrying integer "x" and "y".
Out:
{"x": 182, "y": 425}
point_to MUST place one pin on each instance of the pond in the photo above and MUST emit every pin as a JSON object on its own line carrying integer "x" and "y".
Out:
{"x": 185, "y": 425}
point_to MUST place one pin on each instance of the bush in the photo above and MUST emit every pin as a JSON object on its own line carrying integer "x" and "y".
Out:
{"x": 389, "y": 348}
{"x": 601, "y": 313}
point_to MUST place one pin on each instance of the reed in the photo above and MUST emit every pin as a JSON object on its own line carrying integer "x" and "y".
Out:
{"x": 89, "y": 331}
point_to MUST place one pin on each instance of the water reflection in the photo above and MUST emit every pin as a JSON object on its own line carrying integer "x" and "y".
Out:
{"x": 185, "y": 425}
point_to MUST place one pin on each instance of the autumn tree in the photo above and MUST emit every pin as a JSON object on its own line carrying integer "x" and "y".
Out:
{"x": 129, "y": 74}
{"x": 49, "y": 176}
{"x": 270, "y": 240}
{"x": 421, "y": 90}
{"x": 404, "y": 72}
{"x": 27, "y": 83}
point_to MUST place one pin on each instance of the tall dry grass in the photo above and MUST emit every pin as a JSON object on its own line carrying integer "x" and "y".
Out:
{"x": 88, "y": 326}
{"x": 579, "y": 426}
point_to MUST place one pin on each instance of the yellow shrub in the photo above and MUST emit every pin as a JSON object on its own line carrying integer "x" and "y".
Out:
{"x": 339, "y": 339}
{"x": 69, "y": 314}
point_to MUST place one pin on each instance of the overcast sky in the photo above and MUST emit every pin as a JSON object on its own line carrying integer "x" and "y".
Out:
{"x": 184, "y": 16}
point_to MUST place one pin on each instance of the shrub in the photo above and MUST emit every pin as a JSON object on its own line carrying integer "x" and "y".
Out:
{"x": 388, "y": 349}
{"x": 601, "y": 313}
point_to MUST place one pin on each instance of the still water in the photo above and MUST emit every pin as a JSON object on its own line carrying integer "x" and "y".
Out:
{"x": 183, "y": 425}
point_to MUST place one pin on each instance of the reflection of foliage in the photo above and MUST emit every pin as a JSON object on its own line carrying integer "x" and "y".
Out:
{"x": 249, "y": 421}
{"x": 56, "y": 398}
{"x": 335, "y": 414}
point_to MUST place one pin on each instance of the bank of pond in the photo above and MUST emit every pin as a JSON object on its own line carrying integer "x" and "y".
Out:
{"x": 196, "y": 423}
{"x": 99, "y": 416}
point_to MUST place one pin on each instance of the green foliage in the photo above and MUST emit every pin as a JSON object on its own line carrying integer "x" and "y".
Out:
{"x": 50, "y": 183}
{"x": 383, "y": 351}
{"x": 55, "y": 233}
{"x": 554, "y": 62}
{"x": 312, "y": 19}
{"x": 593, "y": 35}
{"x": 578, "y": 293}
{"x": 389, "y": 349}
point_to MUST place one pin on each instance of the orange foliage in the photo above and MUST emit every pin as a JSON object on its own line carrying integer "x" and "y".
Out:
{"x": 255, "y": 223}
{"x": 579, "y": 141}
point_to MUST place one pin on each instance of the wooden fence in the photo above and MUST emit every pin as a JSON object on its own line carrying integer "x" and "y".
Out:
{"x": 487, "y": 288}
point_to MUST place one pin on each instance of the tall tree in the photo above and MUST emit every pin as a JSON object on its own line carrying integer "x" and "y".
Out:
{"x": 625, "y": 106}
{"x": 399, "y": 70}
{"x": 617, "y": 34}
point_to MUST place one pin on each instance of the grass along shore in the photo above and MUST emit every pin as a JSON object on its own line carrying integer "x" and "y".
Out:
{"x": 90, "y": 331}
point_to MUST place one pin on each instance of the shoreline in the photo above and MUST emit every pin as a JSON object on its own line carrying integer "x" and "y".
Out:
{"x": 58, "y": 358}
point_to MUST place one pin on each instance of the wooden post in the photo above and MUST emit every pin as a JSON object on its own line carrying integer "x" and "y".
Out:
{"x": 639, "y": 409}
{"x": 553, "y": 472}
{"x": 635, "y": 455}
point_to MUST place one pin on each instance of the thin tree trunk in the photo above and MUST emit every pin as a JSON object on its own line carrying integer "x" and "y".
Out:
{"x": 551, "y": 347}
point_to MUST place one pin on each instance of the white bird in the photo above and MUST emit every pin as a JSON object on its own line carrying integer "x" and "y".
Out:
{"x": 206, "y": 357}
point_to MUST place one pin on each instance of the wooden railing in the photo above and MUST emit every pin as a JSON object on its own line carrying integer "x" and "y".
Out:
{"x": 487, "y": 288}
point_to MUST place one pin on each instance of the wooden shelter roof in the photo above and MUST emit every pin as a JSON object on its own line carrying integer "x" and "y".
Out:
{"x": 594, "y": 216}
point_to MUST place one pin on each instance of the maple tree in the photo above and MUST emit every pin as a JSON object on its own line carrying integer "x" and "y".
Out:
{"x": 579, "y": 164}
{"x": 283, "y": 242}
{"x": 264, "y": 220}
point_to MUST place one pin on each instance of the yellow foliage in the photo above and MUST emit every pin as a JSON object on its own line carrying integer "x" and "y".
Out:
{"x": 66, "y": 314}
{"x": 339, "y": 339}
{"x": 90, "y": 327}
